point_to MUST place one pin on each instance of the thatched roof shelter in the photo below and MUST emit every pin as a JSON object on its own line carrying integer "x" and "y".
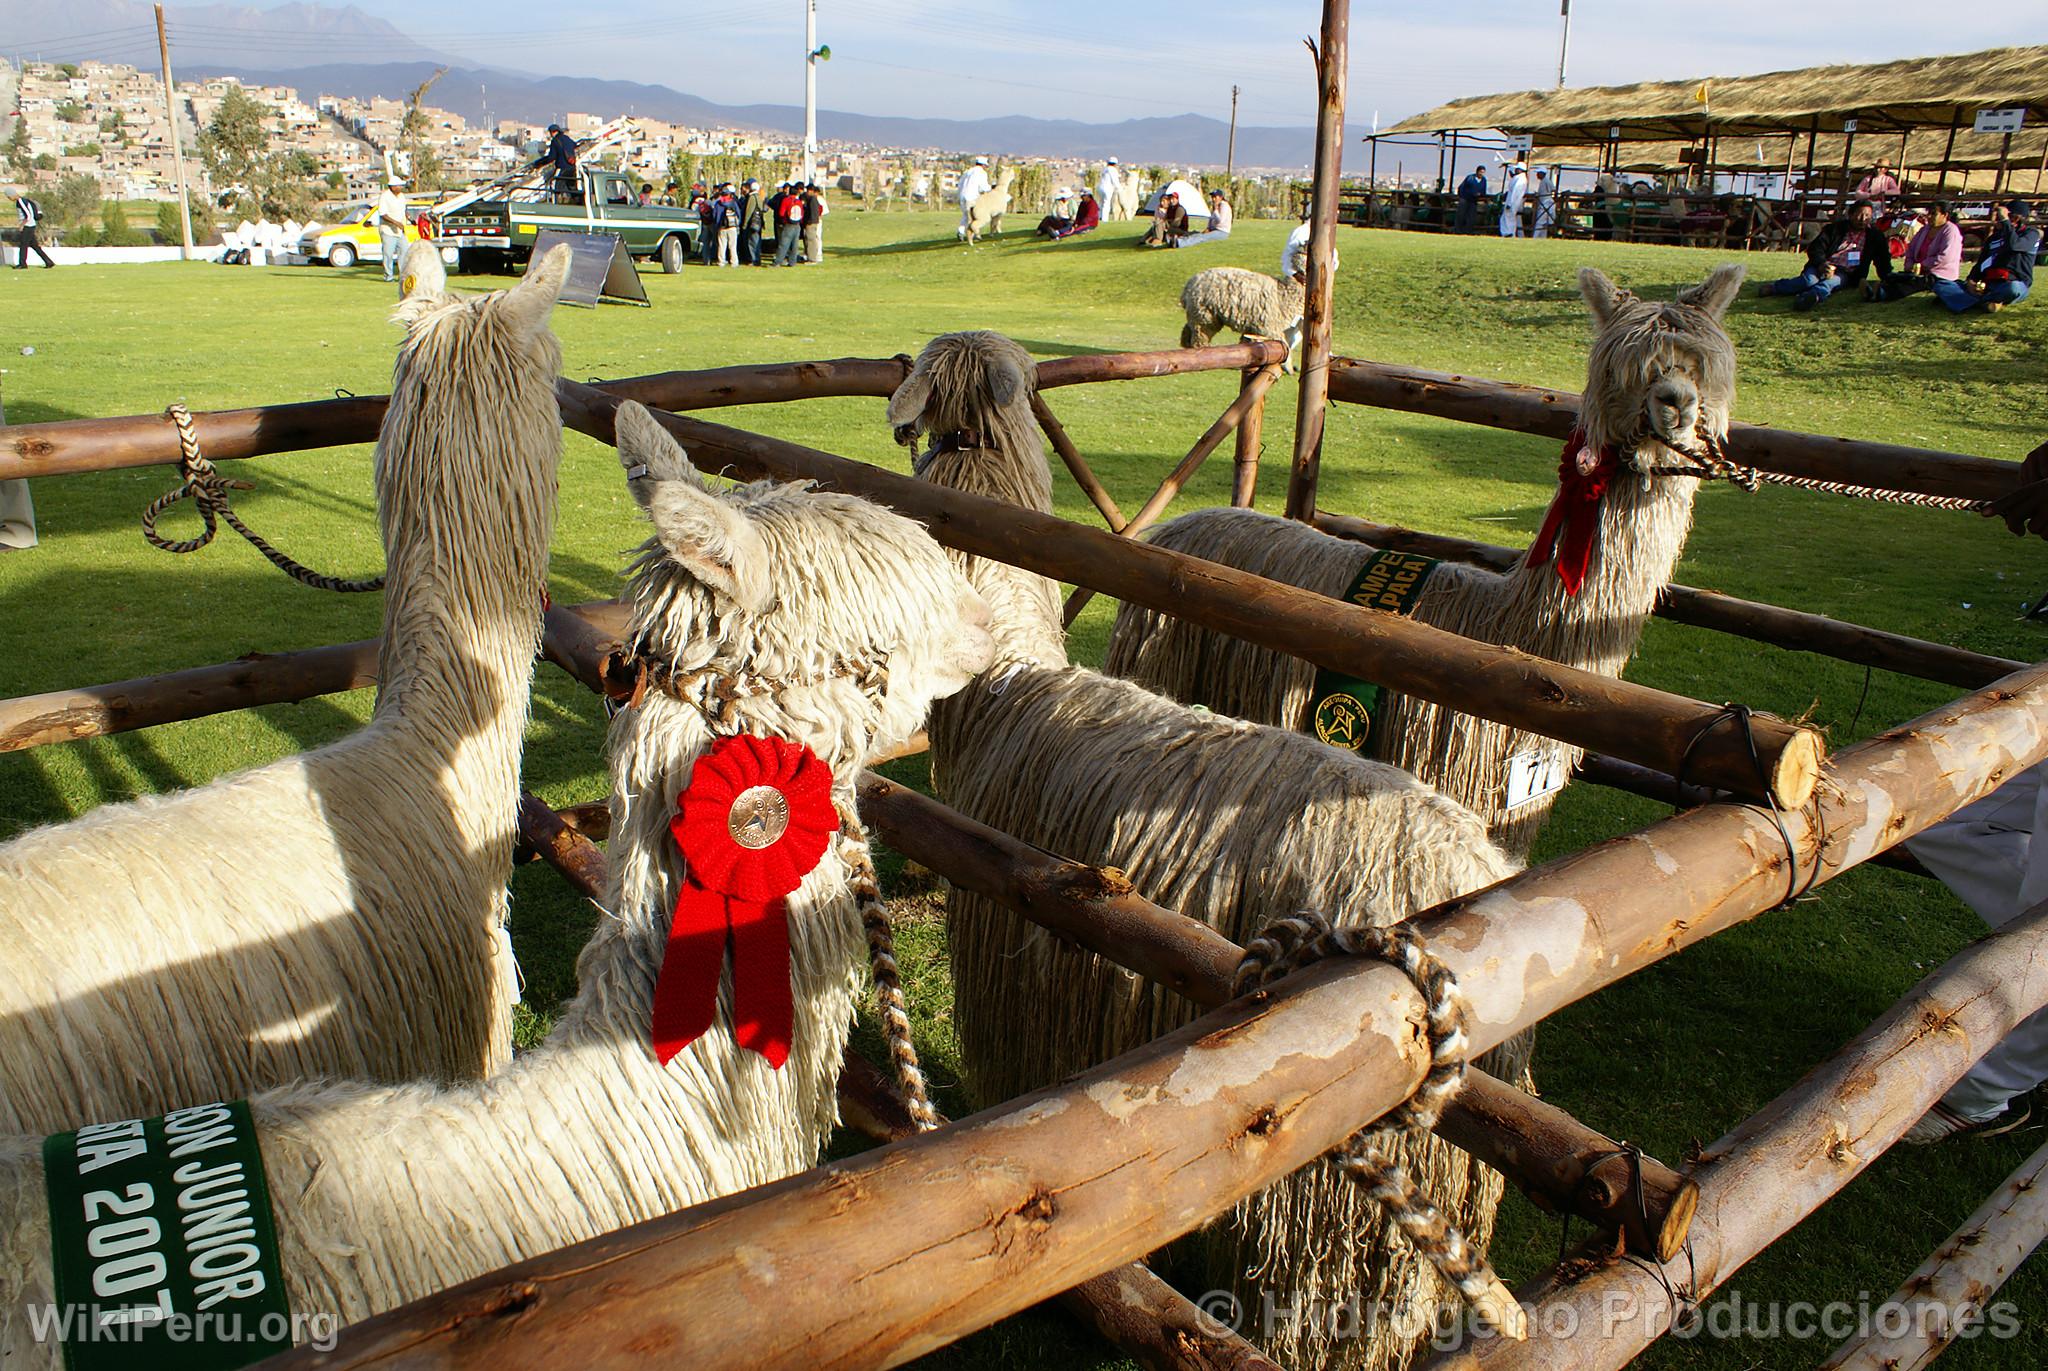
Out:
{"x": 1918, "y": 93}
{"x": 1924, "y": 154}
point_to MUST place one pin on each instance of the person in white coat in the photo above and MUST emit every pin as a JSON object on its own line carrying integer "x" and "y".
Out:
{"x": 1106, "y": 187}
{"x": 1511, "y": 201}
{"x": 974, "y": 183}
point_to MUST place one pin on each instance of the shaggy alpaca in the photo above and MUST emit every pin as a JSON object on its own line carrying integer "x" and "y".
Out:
{"x": 383, "y": 1195}
{"x": 1251, "y": 303}
{"x": 339, "y": 912}
{"x": 1658, "y": 373}
{"x": 1235, "y": 824}
{"x": 985, "y": 214}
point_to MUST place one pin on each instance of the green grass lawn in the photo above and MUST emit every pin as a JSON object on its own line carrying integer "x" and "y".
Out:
{"x": 1670, "y": 1059}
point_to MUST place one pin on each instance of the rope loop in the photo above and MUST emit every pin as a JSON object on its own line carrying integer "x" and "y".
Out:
{"x": 208, "y": 490}
{"x": 1369, "y": 1157}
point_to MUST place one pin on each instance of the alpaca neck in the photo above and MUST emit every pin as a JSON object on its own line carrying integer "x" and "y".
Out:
{"x": 1026, "y": 614}
{"x": 1642, "y": 534}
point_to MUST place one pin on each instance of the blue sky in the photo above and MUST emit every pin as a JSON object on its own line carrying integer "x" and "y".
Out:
{"x": 1105, "y": 60}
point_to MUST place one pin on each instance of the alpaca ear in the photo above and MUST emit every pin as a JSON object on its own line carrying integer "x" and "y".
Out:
{"x": 1601, "y": 295}
{"x": 906, "y": 406}
{"x": 421, "y": 273}
{"x": 528, "y": 304}
{"x": 1717, "y": 292}
{"x": 1007, "y": 386}
{"x": 705, "y": 535}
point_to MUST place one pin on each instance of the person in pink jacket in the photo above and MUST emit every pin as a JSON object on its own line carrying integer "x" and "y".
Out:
{"x": 1935, "y": 254}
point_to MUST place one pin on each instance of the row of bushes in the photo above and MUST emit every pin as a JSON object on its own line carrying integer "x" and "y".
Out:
{"x": 111, "y": 227}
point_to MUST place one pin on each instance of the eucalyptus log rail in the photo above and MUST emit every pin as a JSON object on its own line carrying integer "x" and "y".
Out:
{"x": 1710, "y": 609}
{"x": 1788, "y": 1159}
{"x": 1312, "y": 393}
{"x": 1251, "y": 395}
{"x": 1595, "y": 712}
{"x": 1557, "y": 1161}
{"x": 261, "y": 678}
{"x": 1947, "y": 1295}
{"x": 1077, "y": 465}
{"x": 1244, "y": 484}
{"x": 1554, "y": 413}
{"x": 79, "y": 445}
{"x": 957, "y": 1229}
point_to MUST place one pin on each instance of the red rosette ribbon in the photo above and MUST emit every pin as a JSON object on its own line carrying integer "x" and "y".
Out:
{"x": 755, "y": 820}
{"x": 1573, "y": 521}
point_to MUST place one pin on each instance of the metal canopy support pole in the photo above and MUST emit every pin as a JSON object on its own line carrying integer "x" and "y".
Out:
{"x": 1313, "y": 389}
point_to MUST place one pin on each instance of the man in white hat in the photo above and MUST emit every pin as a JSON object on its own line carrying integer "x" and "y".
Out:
{"x": 1106, "y": 187}
{"x": 1511, "y": 199}
{"x": 973, "y": 184}
{"x": 391, "y": 226}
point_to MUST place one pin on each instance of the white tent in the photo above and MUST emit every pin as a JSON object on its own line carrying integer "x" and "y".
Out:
{"x": 1191, "y": 199}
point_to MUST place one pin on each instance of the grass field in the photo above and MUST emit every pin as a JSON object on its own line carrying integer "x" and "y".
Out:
{"x": 1669, "y": 1059}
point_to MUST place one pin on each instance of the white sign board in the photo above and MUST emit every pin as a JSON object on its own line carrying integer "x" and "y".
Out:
{"x": 1520, "y": 142}
{"x": 2000, "y": 120}
{"x": 1848, "y": 126}
{"x": 1533, "y": 774}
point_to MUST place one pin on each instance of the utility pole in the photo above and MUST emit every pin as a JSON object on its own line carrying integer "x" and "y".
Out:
{"x": 1230, "y": 153}
{"x": 810, "y": 91}
{"x": 163, "y": 44}
{"x": 1564, "y": 44}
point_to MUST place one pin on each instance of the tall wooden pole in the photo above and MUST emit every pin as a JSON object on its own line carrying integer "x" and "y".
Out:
{"x": 1956, "y": 122}
{"x": 1230, "y": 151}
{"x": 1564, "y": 41}
{"x": 1331, "y": 62}
{"x": 163, "y": 47}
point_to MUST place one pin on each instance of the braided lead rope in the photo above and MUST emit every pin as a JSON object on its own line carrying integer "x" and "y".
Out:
{"x": 208, "y": 490}
{"x": 1889, "y": 497}
{"x": 1368, "y": 1157}
{"x": 874, "y": 918}
{"x": 718, "y": 692}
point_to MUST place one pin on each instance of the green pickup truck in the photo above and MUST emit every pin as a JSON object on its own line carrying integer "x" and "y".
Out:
{"x": 498, "y": 233}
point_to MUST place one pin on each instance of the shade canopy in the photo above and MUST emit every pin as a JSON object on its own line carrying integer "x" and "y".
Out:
{"x": 1917, "y": 93}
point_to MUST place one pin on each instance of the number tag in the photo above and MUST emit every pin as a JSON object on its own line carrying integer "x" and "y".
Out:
{"x": 1534, "y": 774}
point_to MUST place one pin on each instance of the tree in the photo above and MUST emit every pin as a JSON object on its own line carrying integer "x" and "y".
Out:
{"x": 18, "y": 157}
{"x": 70, "y": 112}
{"x": 72, "y": 200}
{"x": 82, "y": 150}
{"x": 256, "y": 181}
{"x": 70, "y": 70}
{"x": 425, "y": 160}
{"x": 115, "y": 231}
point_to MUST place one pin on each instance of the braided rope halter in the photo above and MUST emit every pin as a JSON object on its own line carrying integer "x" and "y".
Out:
{"x": 203, "y": 484}
{"x": 1367, "y": 1157}
{"x": 718, "y": 693}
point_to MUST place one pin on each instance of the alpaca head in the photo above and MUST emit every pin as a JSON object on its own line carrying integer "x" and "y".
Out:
{"x": 971, "y": 394}
{"x": 1659, "y": 371}
{"x": 786, "y": 583}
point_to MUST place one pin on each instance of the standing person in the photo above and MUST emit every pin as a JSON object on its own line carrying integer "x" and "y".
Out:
{"x": 391, "y": 227}
{"x": 1471, "y": 191}
{"x": 1219, "y": 222}
{"x": 1107, "y": 186}
{"x": 1841, "y": 254}
{"x": 725, "y": 214}
{"x": 789, "y": 227}
{"x": 1880, "y": 185}
{"x": 560, "y": 154}
{"x": 1608, "y": 192}
{"x": 1546, "y": 205}
{"x": 1511, "y": 201}
{"x": 31, "y": 215}
{"x": 753, "y": 213}
{"x": 2004, "y": 275}
{"x": 815, "y": 210}
{"x": 973, "y": 184}
{"x": 705, "y": 203}
{"x": 1294, "y": 256}
{"x": 669, "y": 195}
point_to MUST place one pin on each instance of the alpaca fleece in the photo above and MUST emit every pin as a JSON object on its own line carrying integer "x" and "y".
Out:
{"x": 339, "y": 912}
{"x": 1655, "y": 369}
{"x": 1251, "y": 303}
{"x": 1232, "y": 823}
{"x": 386, "y": 1194}
{"x": 985, "y": 215}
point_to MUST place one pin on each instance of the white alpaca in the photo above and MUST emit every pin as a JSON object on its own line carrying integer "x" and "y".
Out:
{"x": 1658, "y": 375}
{"x": 339, "y": 912}
{"x": 384, "y": 1195}
{"x": 985, "y": 212}
{"x": 1232, "y": 823}
{"x": 1250, "y": 303}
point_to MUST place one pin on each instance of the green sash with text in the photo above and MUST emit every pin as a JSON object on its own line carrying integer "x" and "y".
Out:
{"x": 163, "y": 1245}
{"x": 1344, "y": 710}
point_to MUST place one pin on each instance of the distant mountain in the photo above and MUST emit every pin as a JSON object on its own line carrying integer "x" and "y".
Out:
{"x": 1178, "y": 140}
{"x": 201, "y": 35}
{"x": 340, "y": 50}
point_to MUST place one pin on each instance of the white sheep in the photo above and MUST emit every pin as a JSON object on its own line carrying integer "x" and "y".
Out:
{"x": 339, "y": 912}
{"x": 385, "y": 1195}
{"x": 1251, "y": 303}
{"x": 985, "y": 213}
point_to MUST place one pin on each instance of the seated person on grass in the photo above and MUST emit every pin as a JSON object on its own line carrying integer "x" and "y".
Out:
{"x": 1086, "y": 218}
{"x": 1061, "y": 217}
{"x": 1169, "y": 224}
{"x": 1841, "y": 254}
{"x": 2005, "y": 273}
{"x": 1933, "y": 259}
{"x": 1219, "y": 222}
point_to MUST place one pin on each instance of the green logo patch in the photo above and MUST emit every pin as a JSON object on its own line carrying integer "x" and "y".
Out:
{"x": 1345, "y": 709}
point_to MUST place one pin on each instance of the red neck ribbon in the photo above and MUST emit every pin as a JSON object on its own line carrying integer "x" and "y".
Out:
{"x": 755, "y": 820}
{"x": 1582, "y": 478}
